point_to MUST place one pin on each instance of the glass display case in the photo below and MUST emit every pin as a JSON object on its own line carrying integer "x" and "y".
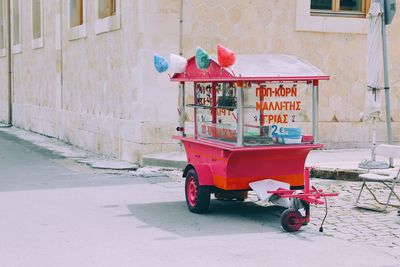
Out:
{"x": 273, "y": 112}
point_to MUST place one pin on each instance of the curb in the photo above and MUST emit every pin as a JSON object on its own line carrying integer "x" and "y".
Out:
{"x": 147, "y": 161}
{"x": 320, "y": 173}
{"x": 336, "y": 174}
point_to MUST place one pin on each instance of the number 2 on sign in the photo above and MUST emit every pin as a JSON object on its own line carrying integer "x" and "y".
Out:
{"x": 275, "y": 129}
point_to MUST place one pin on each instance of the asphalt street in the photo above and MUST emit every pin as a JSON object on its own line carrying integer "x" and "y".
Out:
{"x": 58, "y": 212}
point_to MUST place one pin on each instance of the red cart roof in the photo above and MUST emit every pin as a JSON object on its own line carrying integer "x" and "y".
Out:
{"x": 253, "y": 68}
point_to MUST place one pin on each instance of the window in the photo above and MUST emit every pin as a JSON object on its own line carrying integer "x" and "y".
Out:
{"x": 77, "y": 19}
{"x": 108, "y": 16}
{"x": 76, "y": 13}
{"x": 320, "y": 20}
{"x": 354, "y": 8}
{"x": 2, "y": 29}
{"x": 37, "y": 24}
{"x": 106, "y": 8}
{"x": 16, "y": 26}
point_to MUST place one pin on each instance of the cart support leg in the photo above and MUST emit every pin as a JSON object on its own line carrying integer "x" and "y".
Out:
{"x": 315, "y": 110}
{"x": 307, "y": 218}
{"x": 214, "y": 102}
{"x": 306, "y": 180}
{"x": 195, "y": 109}
{"x": 239, "y": 96}
{"x": 182, "y": 108}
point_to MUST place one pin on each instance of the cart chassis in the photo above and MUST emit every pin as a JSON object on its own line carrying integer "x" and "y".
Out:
{"x": 307, "y": 196}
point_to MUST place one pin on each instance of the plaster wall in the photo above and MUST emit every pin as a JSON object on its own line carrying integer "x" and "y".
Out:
{"x": 4, "y": 85}
{"x": 3, "y": 91}
{"x": 338, "y": 48}
{"x": 101, "y": 93}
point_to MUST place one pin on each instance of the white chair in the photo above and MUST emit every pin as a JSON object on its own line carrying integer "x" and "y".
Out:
{"x": 389, "y": 180}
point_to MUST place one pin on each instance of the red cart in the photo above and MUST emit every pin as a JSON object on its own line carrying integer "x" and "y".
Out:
{"x": 250, "y": 125}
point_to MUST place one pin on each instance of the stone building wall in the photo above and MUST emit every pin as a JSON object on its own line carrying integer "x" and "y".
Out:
{"x": 257, "y": 27}
{"x": 3, "y": 90}
{"x": 101, "y": 92}
{"x": 3, "y": 78}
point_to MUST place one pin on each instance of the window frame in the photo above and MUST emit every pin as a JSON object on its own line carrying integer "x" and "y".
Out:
{"x": 365, "y": 4}
{"x": 37, "y": 42}
{"x": 16, "y": 48}
{"x": 110, "y": 23}
{"x": 77, "y": 32}
{"x": 307, "y": 22}
{"x": 3, "y": 18}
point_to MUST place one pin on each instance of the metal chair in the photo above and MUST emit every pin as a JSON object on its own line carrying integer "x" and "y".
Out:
{"x": 389, "y": 180}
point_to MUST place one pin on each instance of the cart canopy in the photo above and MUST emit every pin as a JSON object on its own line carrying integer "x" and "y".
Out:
{"x": 259, "y": 68}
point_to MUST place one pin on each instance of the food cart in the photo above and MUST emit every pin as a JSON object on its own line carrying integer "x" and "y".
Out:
{"x": 250, "y": 125}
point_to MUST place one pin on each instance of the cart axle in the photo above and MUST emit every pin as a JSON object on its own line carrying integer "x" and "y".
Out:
{"x": 291, "y": 219}
{"x": 312, "y": 197}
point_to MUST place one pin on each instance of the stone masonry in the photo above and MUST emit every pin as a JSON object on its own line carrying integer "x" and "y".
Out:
{"x": 100, "y": 92}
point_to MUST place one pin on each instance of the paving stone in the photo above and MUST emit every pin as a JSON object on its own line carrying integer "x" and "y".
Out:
{"x": 345, "y": 221}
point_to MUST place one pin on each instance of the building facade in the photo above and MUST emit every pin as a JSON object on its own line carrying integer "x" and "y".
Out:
{"x": 82, "y": 70}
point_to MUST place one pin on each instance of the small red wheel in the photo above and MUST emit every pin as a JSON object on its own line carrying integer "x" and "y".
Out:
{"x": 291, "y": 220}
{"x": 197, "y": 197}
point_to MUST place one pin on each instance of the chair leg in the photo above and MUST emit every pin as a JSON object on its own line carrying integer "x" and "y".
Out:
{"x": 388, "y": 200}
{"x": 377, "y": 200}
{"x": 359, "y": 195}
{"x": 394, "y": 193}
{"x": 385, "y": 205}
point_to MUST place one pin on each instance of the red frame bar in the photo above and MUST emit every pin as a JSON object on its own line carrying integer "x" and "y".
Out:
{"x": 252, "y": 79}
{"x": 214, "y": 102}
{"x": 262, "y": 120}
{"x": 195, "y": 110}
{"x": 312, "y": 195}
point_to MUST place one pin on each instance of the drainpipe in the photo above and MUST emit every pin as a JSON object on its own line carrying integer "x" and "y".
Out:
{"x": 180, "y": 28}
{"x": 9, "y": 63}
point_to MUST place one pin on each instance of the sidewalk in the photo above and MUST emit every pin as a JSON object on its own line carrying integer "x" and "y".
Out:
{"x": 92, "y": 159}
{"x": 335, "y": 164}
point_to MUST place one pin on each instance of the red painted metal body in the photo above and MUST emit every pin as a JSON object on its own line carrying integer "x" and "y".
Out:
{"x": 223, "y": 167}
{"x": 229, "y": 167}
{"x": 215, "y": 73}
{"x": 308, "y": 195}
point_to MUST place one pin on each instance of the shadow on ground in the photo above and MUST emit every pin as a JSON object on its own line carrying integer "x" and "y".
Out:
{"x": 223, "y": 218}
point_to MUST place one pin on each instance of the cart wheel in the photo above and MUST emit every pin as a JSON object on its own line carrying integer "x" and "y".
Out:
{"x": 291, "y": 220}
{"x": 197, "y": 197}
